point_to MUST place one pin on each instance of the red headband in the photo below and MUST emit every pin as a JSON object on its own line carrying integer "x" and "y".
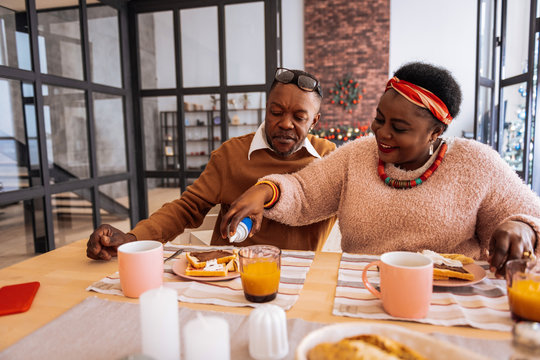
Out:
{"x": 421, "y": 97}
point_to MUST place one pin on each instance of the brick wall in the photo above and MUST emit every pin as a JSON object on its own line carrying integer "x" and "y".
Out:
{"x": 348, "y": 37}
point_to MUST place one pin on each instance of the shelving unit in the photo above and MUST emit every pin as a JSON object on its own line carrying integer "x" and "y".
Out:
{"x": 200, "y": 138}
{"x": 202, "y": 130}
{"x": 169, "y": 145}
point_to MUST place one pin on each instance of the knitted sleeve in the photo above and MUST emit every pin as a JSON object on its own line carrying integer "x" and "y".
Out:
{"x": 186, "y": 212}
{"x": 507, "y": 197}
{"x": 313, "y": 193}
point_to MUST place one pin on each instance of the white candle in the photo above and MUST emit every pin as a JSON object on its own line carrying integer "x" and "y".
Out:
{"x": 159, "y": 324}
{"x": 206, "y": 337}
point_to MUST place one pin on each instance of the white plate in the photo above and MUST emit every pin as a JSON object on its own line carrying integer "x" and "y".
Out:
{"x": 180, "y": 265}
{"x": 425, "y": 345}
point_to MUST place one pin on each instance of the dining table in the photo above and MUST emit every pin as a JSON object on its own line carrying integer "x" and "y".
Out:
{"x": 65, "y": 275}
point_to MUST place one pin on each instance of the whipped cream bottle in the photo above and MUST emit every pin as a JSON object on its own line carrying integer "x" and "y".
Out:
{"x": 242, "y": 230}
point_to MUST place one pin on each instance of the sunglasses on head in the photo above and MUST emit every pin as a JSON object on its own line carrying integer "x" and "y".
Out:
{"x": 304, "y": 82}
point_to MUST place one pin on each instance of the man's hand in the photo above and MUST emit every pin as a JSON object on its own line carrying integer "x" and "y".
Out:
{"x": 249, "y": 204}
{"x": 509, "y": 241}
{"x": 104, "y": 241}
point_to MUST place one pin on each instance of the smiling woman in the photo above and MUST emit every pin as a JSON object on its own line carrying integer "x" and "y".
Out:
{"x": 408, "y": 188}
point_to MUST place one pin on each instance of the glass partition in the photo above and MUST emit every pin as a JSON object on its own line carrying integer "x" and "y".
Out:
{"x": 517, "y": 38}
{"x": 18, "y": 223}
{"x": 14, "y": 40}
{"x": 104, "y": 45}
{"x": 19, "y": 157}
{"x": 110, "y": 134}
{"x": 160, "y": 133}
{"x": 156, "y": 50}
{"x": 513, "y": 117}
{"x": 245, "y": 43}
{"x": 200, "y": 49}
{"x": 114, "y": 205}
{"x": 72, "y": 216}
{"x": 57, "y": 137}
{"x": 483, "y": 115}
{"x": 59, "y": 37}
{"x": 223, "y": 63}
{"x": 64, "y": 111}
{"x": 485, "y": 46}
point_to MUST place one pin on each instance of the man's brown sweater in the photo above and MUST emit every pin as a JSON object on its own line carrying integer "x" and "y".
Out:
{"x": 227, "y": 175}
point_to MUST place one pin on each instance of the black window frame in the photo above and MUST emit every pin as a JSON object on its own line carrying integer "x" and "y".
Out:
{"x": 497, "y": 84}
{"x": 45, "y": 190}
{"x": 273, "y": 58}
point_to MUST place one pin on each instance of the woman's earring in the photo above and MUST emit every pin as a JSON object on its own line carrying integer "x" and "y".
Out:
{"x": 431, "y": 148}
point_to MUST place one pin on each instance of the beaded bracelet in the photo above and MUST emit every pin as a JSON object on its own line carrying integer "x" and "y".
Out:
{"x": 275, "y": 193}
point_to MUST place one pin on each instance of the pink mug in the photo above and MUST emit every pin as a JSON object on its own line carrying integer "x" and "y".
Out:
{"x": 140, "y": 264}
{"x": 406, "y": 282}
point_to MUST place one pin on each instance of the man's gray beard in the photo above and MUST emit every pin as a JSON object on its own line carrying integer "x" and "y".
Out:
{"x": 271, "y": 144}
{"x": 282, "y": 154}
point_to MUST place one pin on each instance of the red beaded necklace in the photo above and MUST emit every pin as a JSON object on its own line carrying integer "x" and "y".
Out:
{"x": 407, "y": 184}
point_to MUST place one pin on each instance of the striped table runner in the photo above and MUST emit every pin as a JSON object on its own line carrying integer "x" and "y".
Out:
{"x": 483, "y": 305}
{"x": 294, "y": 268}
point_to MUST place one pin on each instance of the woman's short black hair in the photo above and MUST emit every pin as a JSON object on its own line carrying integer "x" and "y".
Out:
{"x": 435, "y": 79}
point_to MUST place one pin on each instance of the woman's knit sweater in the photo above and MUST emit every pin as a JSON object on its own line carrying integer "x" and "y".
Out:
{"x": 454, "y": 211}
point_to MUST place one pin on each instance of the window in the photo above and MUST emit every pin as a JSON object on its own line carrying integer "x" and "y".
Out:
{"x": 208, "y": 88}
{"x": 64, "y": 144}
{"x": 506, "y": 87}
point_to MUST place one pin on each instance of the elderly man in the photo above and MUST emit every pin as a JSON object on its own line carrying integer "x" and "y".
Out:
{"x": 280, "y": 145}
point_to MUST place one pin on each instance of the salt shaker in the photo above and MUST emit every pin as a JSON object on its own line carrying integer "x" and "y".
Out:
{"x": 242, "y": 230}
{"x": 526, "y": 340}
{"x": 268, "y": 333}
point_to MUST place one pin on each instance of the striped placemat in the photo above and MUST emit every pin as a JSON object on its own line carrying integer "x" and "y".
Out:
{"x": 294, "y": 268}
{"x": 483, "y": 305}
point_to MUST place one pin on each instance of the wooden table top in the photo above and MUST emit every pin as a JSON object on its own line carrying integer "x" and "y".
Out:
{"x": 66, "y": 272}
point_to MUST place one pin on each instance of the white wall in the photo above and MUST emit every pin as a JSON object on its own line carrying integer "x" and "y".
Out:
{"x": 440, "y": 32}
{"x": 443, "y": 33}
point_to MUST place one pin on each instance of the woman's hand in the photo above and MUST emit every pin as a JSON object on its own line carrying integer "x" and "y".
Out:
{"x": 249, "y": 204}
{"x": 509, "y": 241}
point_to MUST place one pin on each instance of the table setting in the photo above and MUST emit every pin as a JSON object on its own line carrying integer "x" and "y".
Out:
{"x": 226, "y": 291}
{"x": 255, "y": 313}
{"x": 482, "y": 304}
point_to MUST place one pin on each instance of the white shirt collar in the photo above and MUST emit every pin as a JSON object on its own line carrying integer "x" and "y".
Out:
{"x": 259, "y": 142}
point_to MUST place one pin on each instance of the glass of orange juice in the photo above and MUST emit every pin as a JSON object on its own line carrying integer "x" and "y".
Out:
{"x": 260, "y": 270}
{"x": 523, "y": 284}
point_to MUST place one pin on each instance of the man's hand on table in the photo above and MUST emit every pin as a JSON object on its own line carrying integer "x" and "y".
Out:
{"x": 105, "y": 240}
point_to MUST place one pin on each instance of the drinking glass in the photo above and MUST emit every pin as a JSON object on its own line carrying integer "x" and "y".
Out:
{"x": 260, "y": 270}
{"x": 523, "y": 284}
